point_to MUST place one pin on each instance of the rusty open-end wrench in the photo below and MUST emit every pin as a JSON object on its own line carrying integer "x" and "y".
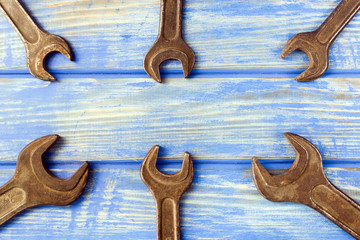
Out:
{"x": 34, "y": 185}
{"x": 38, "y": 43}
{"x": 317, "y": 44}
{"x": 167, "y": 190}
{"x": 305, "y": 182}
{"x": 169, "y": 43}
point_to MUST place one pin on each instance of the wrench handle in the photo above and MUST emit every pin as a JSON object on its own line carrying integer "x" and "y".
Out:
{"x": 168, "y": 219}
{"x": 21, "y": 21}
{"x": 338, "y": 207}
{"x": 12, "y": 201}
{"x": 337, "y": 21}
{"x": 171, "y": 19}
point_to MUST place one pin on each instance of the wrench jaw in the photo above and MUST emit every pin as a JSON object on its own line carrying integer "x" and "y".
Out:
{"x": 63, "y": 197}
{"x": 37, "y": 53}
{"x": 166, "y": 184}
{"x": 304, "y": 174}
{"x": 316, "y": 52}
{"x": 165, "y": 50}
{"x": 42, "y": 187}
{"x": 263, "y": 182}
{"x": 309, "y": 154}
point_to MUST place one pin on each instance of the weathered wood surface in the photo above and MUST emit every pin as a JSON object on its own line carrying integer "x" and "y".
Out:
{"x": 229, "y": 119}
{"x": 237, "y": 103}
{"x": 222, "y": 122}
{"x": 114, "y": 36}
{"x": 221, "y": 204}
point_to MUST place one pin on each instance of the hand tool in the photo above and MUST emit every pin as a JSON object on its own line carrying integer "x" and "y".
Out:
{"x": 167, "y": 190}
{"x": 305, "y": 182}
{"x": 38, "y": 43}
{"x": 169, "y": 43}
{"x": 317, "y": 44}
{"x": 33, "y": 184}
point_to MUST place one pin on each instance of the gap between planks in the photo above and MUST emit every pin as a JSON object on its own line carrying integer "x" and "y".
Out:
{"x": 177, "y": 73}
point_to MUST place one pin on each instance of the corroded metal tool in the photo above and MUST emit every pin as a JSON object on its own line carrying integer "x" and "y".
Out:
{"x": 169, "y": 43}
{"x": 38, "y": 43}
{"x": 34, "y": 185}
{"x": 317, "y": 44}
{"x": 305, "y": 182}
{"x": 167, "y": 190}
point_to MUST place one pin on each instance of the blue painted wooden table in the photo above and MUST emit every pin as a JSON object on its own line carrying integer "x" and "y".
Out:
{"x": 236, "y": 104}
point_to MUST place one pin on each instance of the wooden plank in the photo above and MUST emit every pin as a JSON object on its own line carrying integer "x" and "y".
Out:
{"x": 238, "y": 102}
{"x": 231, "y": 119}
{"x": 222, "y": 203}
{"x": 113, "y": 36}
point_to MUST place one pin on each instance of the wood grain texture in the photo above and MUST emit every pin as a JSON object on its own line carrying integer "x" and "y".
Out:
{"x": 236, "y": 104}
{"x": 224, "y": 118}
{"x": 113, "y": 36}
{"x": 222, "y": 203}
